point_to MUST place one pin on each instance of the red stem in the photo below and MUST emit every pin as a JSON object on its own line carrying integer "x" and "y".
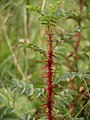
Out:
{"x": 81, "y": 5}
{"x": 77, "y": 46}
{"x": 75, "y": 57}
{"x": 49, "y": 75}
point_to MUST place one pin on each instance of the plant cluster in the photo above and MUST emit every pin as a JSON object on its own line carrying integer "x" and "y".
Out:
{"x": 45, "y": 75}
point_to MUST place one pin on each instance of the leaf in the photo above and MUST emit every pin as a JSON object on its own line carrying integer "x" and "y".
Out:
{"x": 72, "y": 75}
{"x": 13, "y": 88}
{"x": 30, "y": 90}
{"x": 80, "y": 75}
{"x": 7, "y": 113}
{"x": 8, "y": 82}
{"x": 21, "y": 90}
{"x": 80, "y": 118}
{"x": 83, "y": 71}
{"x": 27, "y": 117}
{"x": 10, "y": 116}
{"x": 37, "y": 92}
{"x": 35, "y": 48}
{"x": 88, "y": 117}
{"x": 10, "y": 110}
{"x": 33, "y": 8}
{"x": 42, "y": 90}
{"x": 66, "y": 101}
{"x": 71, "y": 34}
{"x": 2, "y": 111}
{"x": 44, "y": 23}
{"x": 65, "y": 76}
{"x": 87, "y": 76}
{"x": 57, "y": 80}
{"x": 85, "y": 27}
{"x": 22, "y": 83}
{"x": 48, "y": 18}
{"x": 43, "y": 118}
{"x": 62, "y": 93}
{"x": 61, "y": 104}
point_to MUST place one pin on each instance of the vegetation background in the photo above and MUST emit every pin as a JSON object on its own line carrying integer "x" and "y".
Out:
{"x": 22, "y": 82}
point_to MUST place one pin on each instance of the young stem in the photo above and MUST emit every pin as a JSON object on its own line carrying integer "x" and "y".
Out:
{"x": 26, "y": 34}
{"x": 50, "y": 74}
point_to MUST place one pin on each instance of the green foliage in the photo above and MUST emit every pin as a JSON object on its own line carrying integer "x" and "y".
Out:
{"x": 7, "y": 113}
{"x": 34, "y": 47}
{"x": 71, "y": 75}
{"x": 34, "y": 8}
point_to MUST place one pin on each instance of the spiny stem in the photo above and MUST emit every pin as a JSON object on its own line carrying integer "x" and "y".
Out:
{"x": 49, "y": 74}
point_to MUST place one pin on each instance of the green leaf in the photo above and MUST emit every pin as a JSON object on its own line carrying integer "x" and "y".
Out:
{"x": 61, "y": 104}
{"x": 57, "y": 80}
{"x": 27, "y": 117}
{"x": 65, "y": 101}
{"x": 2, "y": 111}
{"x": 37, "y": 92}
{"x": 83, "y": 71}
{"x": 32, "y": 46}
{"x": 86, "y": 76}
{"x": 79, "y": 118}
{"x": 10, "y": 110}
{"x": 30, "y": 90}
{"x": 88, "y": 117}
{"x": 85, "y": 27}
{"x": 80, "y": 75}
{"x": 44, "y": 23}
{"x": 43, "y": 118}
{"x": 69, "y": 96}
{"x": 8, "y": 82}
{"x": 21, "y": 90}
{"x": 22, "y": 83}
{"x": 72, "y": 75}
{"x": 42, "y": 90}
{"x": 13, "y": 88}
{"x": 7, "y": 113}
{"x": 65, "y": 76}
{"x": 10, "y": 116}
{"x": 33, "y": 8}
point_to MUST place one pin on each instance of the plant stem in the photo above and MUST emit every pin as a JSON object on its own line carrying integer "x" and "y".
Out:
{"x": 49, "y": 74}
{"x": 13, "y": 54}
{"x": 26, "y": 34}
{"x": 26, "y": 22}
{"x": 78, "y": 35}
{"x": 43, "y": 5}
{"x": 80, "y": 110}
{"x": 75, "y": 55}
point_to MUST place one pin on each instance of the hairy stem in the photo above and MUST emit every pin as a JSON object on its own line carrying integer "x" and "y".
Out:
{"x": 49, "y": 74}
